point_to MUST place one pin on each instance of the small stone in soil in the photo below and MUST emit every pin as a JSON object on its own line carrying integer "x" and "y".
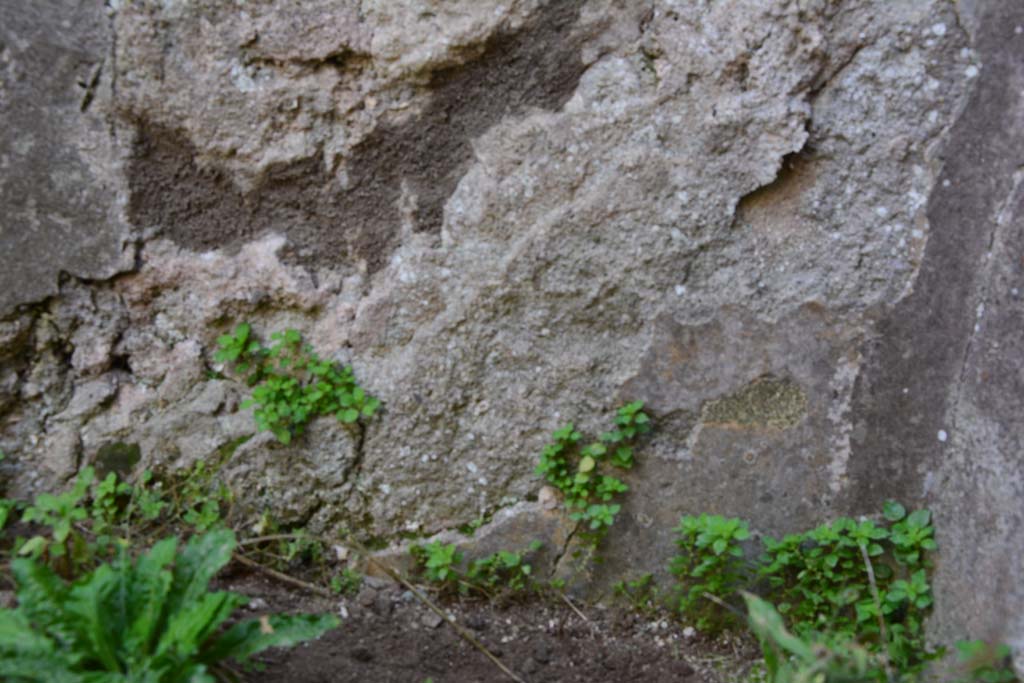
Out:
{"x": 362, "y": 654}
{"x": 431, "y": 620}
{"x": 366, "y": 596}
{"x": 383, "y": 605}
{"x": 476, "y": 621}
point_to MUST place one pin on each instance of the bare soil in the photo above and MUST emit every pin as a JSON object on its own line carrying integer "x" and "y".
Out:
{"x": 387, "y": 635}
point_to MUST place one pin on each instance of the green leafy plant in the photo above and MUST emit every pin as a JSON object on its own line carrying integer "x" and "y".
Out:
{"x": 846, "y": 581}
{"x": 292, "y": 385}
{"x": 348, "y": 582}
{"x": 439, "y": 561}
{"x": 504, "y": 571}
{"x": 711, "y": 561}
{"x": 64, "y": 545}
{"x": 984, "y": 662}
{"x": 149, "y": 620}
{"x": 576, "y": 470}
{"x": 641, "y": 593}
{"x": 814, "y": 658}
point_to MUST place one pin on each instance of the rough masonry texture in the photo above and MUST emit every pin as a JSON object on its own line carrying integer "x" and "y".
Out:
{"x": 792, "y": 228}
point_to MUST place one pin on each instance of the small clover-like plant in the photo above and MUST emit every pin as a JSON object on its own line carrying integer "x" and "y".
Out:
{"x": 506, "y": 571}
{"x": 578, "y": 471}
{"x": 292, "y": 384}
{"x": 438, "y": 560}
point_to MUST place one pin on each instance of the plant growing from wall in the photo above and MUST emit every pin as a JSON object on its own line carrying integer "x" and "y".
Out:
{"x": 291, "y": 383}
{"x": 151, "y": 619}
{"x": 581, "y": 472}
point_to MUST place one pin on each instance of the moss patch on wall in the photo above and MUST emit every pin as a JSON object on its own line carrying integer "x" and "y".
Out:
{"x": 766, "y": 402}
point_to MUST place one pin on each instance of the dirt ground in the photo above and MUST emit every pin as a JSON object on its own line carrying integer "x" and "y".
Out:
{"x": 387, "y": 635}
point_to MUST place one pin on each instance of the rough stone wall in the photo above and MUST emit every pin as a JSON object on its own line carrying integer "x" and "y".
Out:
{"x": 774, "y": 221}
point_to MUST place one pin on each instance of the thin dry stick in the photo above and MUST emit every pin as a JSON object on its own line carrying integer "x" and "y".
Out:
{"x": 721, "y": 603}
{"x": 281, "y": 576}
{"x": 573, "y": 606}
{"x": 878, "y": 605}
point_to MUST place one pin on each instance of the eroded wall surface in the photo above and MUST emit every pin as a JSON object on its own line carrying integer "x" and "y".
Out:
{"x": 776, "y": 222}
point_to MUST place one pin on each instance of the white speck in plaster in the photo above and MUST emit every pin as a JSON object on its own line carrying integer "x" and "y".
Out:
{"x": 917, "y": 234}
{"x": 906, "y": 390}
{"x": 902, "y": 243}
{"x": 946, "y": 183}
{"x": 677, "y": 234}
{"x": 1015, "y": 292}
{"x": 943, "y": 435}
{"x": 932, "y": 84}
{"x": 680, "y": 290}
{"x": 980, "y": 310}
{"x": 887, "y": 230}
{"x": 1019, "y": 30}
{"x": 939, "y": 29}
{"x": 471, "y": 466}
{"x": 971, "y": 71}
{"x": 977, "y": 328}
{"x": 933, "y": 116}
{"x": 882, "y": 211}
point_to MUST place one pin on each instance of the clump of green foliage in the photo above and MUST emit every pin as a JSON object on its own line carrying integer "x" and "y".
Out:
{"x": 77, "y": 529}
{"x": 711, "y": 561}
{"x": 826, "y": 656}
{"x": 854, "y": 580}
{"x": 150, "y": 619}
{"x": 580, "y": 472}
{"x": 813, "y": 658}
{"x": 291, "y": 383}
{"x": 501, "y": 572}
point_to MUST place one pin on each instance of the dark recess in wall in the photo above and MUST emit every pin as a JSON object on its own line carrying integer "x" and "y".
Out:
{"x": 537, "y": 66}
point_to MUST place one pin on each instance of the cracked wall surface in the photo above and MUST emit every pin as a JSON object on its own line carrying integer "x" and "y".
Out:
{"x": 766, "y": 219}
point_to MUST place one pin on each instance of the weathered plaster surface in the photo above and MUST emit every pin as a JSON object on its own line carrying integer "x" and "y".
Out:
{"x": 60, "y": 190}
{"x": 511, "y": 215}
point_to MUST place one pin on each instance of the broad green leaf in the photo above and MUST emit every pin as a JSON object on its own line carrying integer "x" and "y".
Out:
{"x": 247, "y": 638}
{"x": 88, "y": 606}
{"x": 202, "y": 557}
{"x": 893, "y": 511}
